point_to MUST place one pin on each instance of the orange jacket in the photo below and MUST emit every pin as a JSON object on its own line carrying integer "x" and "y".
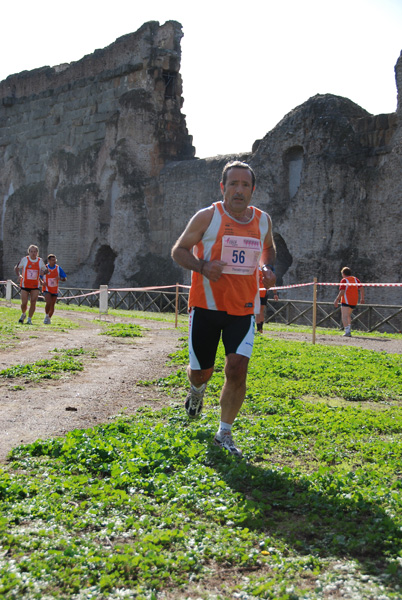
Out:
{"x": 351, "y": 294}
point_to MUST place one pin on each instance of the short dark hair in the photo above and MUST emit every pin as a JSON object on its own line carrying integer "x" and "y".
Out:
{"x": 237, "y": 164}
{"x": 346, "y": 272}
{"x": 51, "y": 256}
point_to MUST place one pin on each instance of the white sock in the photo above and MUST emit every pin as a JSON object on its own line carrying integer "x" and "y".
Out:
{"x": 224, "y": 427}
{"x": 199, "y": 389}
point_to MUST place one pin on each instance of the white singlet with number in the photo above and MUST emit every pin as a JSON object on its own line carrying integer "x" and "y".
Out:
{"x": 241, "y": 254}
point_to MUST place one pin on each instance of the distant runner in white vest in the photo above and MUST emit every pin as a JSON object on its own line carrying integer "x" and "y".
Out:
{"x": 28, "y": 270}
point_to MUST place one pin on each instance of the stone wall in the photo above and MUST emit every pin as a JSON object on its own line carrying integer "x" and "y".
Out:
{"x": 329, "y": 174}
{"x": 80, "y": 147}
{"x": 96, "y": 165}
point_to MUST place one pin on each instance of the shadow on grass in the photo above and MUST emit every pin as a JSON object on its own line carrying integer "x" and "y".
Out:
{"x": 330, "y": 523}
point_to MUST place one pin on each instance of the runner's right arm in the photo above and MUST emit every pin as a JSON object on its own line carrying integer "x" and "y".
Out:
{"x": 192, "y": 235}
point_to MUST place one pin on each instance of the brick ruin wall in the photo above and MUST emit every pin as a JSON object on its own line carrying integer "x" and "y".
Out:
{"x": 80, "y": 148}
{"x": 97, "y": 166}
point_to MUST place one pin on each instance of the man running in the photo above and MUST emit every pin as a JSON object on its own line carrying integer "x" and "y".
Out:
{"x": 223, "y": 245}
{"x": 28, "y": 271}
{"x": 50, "y": 286}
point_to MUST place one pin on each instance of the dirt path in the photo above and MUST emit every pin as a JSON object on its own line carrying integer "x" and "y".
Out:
{"x": 109, "y": 384}
{"x": 107, "y": 387}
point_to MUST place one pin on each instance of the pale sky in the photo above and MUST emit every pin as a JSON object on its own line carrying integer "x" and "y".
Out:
{"x": 245, "y": 65}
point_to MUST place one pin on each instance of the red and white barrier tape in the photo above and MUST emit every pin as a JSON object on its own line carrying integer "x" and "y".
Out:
{"x": 164, "y": 287}
{"x": 296, "y": 285}
{"x": 365, "y": 284}
{"x": 79, "y": 296}
{"x": 147, "y": 289}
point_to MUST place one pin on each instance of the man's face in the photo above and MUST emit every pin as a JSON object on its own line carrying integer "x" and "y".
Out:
{"x": 33, "y": 253}
{"x": 237, "y": 190}
{"x": 51, "y": 262}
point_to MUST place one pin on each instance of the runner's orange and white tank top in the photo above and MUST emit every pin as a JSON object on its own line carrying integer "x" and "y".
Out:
{"x": 51, "y": 280}
{"x": 30, "y": 273}
{"x": 240, "y": 246}
{"x": 351, "y": 294}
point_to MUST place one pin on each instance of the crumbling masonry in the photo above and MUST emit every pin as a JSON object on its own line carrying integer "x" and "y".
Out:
{"x": 97, "y": 166}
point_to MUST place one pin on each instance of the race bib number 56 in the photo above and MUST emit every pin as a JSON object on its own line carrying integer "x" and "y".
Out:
{"x": 241, "y": 254}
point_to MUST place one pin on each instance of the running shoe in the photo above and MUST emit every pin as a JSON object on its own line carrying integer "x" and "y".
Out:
{"x": 22, "y": 318}
{"x": 29, "y": 321}
{"x": 47, "y": 320}
{"x": 225, "y": 441}
{"x": 194, "y": 402}
{"x": 347, "y": 334}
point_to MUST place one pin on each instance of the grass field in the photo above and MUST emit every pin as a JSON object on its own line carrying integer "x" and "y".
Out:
{"x": 147, "y": 508}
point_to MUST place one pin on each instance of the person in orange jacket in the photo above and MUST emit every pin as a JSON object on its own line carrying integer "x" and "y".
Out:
{"x": 349, "y": 297}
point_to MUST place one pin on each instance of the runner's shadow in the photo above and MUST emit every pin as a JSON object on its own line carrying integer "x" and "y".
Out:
{"x": 337, "y": 522}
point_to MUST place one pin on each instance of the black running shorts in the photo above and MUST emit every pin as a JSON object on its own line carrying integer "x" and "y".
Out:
{"x": 205, "y": 330}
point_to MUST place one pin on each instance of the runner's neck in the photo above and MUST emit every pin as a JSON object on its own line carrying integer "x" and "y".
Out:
{"x": 243, "y": 217}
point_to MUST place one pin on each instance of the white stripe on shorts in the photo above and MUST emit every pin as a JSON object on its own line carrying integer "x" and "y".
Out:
{"x": 194, "y": 364}
{"x": 245, "y": 348}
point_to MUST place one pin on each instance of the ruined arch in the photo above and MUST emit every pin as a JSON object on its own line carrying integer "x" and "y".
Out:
{"x": 283, "y": 258}
{"x": 293, "y": 161}
{"x": 104, "y": 265}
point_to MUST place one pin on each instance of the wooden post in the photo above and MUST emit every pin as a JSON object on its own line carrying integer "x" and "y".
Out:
{"x": 9, "y": 292}
{"x": 177, "y": 305}
{"x": 103, "y": 299}
{"x": 314, "y": 308}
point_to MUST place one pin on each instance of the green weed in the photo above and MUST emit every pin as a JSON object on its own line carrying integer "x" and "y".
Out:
{"x": 42, "y": 369}
{"x": 146, "y": 506}
{"x": 51, "y": 368}
{"x": 123, "y": 330}
{"x": 11, "y": 330}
